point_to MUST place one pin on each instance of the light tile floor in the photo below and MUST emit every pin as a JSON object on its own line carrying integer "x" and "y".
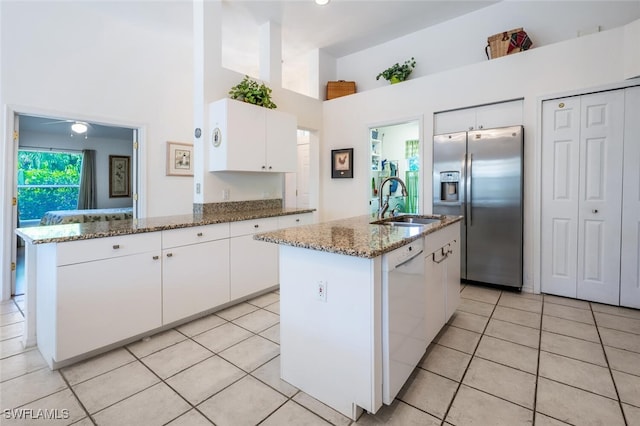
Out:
{"x": 504, "y": 359}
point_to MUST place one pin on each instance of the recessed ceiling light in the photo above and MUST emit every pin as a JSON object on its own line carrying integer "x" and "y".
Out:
{"x": 322, "y": 2}
{"x": 79, "y": 127}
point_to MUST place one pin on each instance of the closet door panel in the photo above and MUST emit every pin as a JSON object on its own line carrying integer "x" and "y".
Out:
{"x": 600, "y": 196}
{"x": 560, "y": 168}
{"x": 630, "y": 256}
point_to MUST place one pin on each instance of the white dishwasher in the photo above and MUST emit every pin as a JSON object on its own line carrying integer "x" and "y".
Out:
{"x": 404, "y": 331}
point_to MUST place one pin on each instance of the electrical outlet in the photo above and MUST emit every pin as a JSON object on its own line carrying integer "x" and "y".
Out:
{"x": 321, "y": 291}
{"x": 225, "y": 194}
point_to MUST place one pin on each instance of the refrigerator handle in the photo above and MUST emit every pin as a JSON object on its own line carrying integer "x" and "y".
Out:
{"x": 469, "y": 189}
{"x": 463, "y": 187}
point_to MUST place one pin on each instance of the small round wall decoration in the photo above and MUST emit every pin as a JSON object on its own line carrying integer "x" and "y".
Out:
{"x": 216, "y": 137}
{"x": 198, "y": 132}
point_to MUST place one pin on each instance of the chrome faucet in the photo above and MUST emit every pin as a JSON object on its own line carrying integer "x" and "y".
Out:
{"x": 383, "y": 207}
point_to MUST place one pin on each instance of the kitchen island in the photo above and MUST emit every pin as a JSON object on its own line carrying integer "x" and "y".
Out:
{"x": 341, "y": 311}
{"x": 94, "y": 286}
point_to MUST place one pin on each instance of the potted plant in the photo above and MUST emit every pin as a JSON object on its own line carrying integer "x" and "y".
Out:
{"x": 397, "y": 73}
{"x": 252, "y": 92}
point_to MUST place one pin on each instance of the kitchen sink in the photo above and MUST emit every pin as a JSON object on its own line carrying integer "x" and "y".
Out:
{"x": 407, "y": 220}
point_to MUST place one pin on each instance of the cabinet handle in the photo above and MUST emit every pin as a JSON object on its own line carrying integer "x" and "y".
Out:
{"x": 156, "y": 257}
{"x": 169, "y": 254}
{"x": 442, "y": 253}
{"x": 481, "y": 127}
{"x": 264, "y": 167}
{"x": 116, "y": 246}
{"x": 270, "y": 167}
{"x": 594, "y": 211}
{"x": 470, "y": 127}
{"x": 297, "y": 220}
{"x": 199, "y": 234}
{"x": 256, "y": 226}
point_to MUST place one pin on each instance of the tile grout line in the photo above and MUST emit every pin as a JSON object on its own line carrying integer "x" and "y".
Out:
{"x": 73, "y": 392}
{"x": 444, "y": 417}
{"x": 535, "y": 391}
{"x": 606, "y": 358}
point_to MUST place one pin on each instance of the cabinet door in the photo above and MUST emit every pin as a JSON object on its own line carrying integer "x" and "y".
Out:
{"x": 600, "y": 195}
{"x": 452, "y": 283}
{"x": 254, "y": 266}
{"x": 241, "y": 136}
{"x": 501, "y": 114}
{"x": 460, "y": 120}
{"x": 560, "y": 171}
{"x": 194, "y": 278}
{"x": 435, "y": 293}
{"x": 106, "y": 301}
{"x": 630, "y": 262}
{"x": 281, "y": 145}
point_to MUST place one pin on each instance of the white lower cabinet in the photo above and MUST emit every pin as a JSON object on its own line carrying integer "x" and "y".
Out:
{"x": 195, "y": 274}
{"x": 97, "y": 292}
{"x": 442, "y": 272}
{"x": 84, "y": 305}
{"x": 254, "y": 264}
{"x": 106, "y": 301}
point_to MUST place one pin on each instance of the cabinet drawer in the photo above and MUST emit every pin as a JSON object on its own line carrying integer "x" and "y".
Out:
{"x": 194, "y": 235}
{"x": 247, "y": 227}
{"x": 290, "y": 221}
{"x": 105, "y": 248}
{"x": 436, "y": 240}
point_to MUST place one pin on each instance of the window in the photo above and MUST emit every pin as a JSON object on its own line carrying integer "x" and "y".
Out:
{"x": 47, "y": 181}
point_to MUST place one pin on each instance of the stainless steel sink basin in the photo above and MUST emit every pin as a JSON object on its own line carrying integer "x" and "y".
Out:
{"x": 414, "y": 219}
{"x": 407, "y": 220}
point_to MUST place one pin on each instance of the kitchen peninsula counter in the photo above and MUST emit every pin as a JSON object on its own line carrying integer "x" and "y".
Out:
{"x": 355, "y": 236}
{"x": 90, "y": 230}
{"x": 96, "y": 285}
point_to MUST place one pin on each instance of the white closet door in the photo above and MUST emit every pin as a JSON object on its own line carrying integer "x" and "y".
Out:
{"x": 560, "y": 171}
{"x": 599, "y": 219}
{"x": 630, "y": 258}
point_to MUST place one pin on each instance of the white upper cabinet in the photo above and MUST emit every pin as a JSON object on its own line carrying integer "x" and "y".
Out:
{"x": 249, "y": 138}
{"x": 501, "y": 114}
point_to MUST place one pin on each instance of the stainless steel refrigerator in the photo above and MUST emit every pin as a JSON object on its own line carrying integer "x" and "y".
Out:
{"x": 479, "y": 175}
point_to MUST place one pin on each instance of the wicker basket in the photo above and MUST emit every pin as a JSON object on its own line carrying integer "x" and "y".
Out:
{"x": 498, "y": 44}
{"x": 336, "y": 89}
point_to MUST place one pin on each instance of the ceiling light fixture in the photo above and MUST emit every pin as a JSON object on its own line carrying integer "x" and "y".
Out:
{"x": 322, "y": 2}
{"x": 78, "y": 127}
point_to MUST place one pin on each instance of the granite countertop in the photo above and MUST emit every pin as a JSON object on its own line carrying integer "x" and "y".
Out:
{"x": 85, "y": 231}
{"x": 354, "y": 236}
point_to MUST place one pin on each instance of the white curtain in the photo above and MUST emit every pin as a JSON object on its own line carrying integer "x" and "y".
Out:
{"x": 87, "y": 193}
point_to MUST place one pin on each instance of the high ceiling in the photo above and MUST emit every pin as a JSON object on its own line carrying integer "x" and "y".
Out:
{"x": 344, "y": 26}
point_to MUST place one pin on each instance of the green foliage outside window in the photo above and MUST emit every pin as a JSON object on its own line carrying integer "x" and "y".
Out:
{"x": 47, "y": 181}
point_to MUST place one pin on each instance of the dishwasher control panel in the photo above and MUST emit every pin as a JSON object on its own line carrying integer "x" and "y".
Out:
{"x": 400, "y": 255}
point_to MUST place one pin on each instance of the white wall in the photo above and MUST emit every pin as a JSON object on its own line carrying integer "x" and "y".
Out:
{"x": 103, "y": 147}
{"x": 461, "y": 41}
{"x": 112, "y": 62}
{"x": 574, "y": 64}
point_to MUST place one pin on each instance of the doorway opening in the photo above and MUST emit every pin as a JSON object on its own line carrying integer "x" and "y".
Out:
{"x": 63, "y": 174}
{"x": 395, "y": 151}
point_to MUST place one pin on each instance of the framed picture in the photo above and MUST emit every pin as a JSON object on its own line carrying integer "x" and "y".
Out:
{"x": 342, "y": 163}
{"x": 119, "y": 176}
{"x": 179, "y": 159}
